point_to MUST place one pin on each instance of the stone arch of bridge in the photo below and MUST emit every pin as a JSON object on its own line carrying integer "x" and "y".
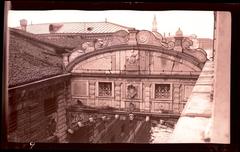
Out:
{"x": 140, "y": 47}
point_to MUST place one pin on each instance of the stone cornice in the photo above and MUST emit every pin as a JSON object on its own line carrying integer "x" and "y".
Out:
{"x": 137, "y": 76}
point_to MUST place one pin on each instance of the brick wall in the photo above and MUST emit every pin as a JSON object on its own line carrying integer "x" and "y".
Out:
{"x": 32, "y": 108}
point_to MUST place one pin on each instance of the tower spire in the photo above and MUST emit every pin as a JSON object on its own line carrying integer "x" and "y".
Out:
{"x": 154, "y": 24}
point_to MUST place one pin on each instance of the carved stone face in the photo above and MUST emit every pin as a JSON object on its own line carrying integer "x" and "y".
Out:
{"x": 132, "y": 91}
{"x": 99, "y": 44}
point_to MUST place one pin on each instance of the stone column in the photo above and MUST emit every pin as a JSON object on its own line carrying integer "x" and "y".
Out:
{"x": 147, "y": 97}
{"x": 92, "y": 93}
{"x": 176, "y": 98}
{"x": 117, "y": 101}
{"x": 61, "y": 127}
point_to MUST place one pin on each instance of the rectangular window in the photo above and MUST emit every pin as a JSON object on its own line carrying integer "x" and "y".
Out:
{"x": 105, "y": 89}
{"x": 50, "y": 106}
{"x": 12, "y": 119}
{"x": 12, "y": 122}
{"x": 162, "y": 91}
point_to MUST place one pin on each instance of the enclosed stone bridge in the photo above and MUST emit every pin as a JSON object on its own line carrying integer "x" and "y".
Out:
{"x": 132, "y": 73}
{"x": 135, "y": 67}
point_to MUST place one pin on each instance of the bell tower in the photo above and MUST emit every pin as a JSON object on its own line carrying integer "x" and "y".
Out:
{"x": 154, "y": 24}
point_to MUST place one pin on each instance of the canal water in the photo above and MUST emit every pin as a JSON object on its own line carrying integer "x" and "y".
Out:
{"x": 125, "y": 131}
{"x": 155, "y": 131}
{"x": 160, "y": 133}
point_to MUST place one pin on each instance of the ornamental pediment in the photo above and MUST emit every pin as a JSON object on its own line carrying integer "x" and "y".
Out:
{"x": 137, "y": 40}
{"x": 144, "y": 37}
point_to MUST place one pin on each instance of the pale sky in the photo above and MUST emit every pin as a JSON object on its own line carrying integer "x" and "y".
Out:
{"x": 191, "y": 22}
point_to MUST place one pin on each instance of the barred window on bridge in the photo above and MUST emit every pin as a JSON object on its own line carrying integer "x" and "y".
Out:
{"x": 105, "y": 89}
{"x": 162, "y": 91}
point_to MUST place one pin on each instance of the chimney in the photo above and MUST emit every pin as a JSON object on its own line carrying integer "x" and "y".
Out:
{"x": 54, "y": 27}
{"x": 23, "y": 24}
{"x": 178, "y": 40}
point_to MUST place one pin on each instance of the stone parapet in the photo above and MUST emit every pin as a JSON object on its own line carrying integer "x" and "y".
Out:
{"x": 195, "y": 119}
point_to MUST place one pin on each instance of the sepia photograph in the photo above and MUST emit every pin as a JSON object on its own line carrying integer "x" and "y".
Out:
{"x": 118, "y": 76}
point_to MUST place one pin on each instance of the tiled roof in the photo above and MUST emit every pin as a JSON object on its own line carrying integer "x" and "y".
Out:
{"x": 68, "y": 41}
{"x": 77, "y": 27}
{"x": 42, "y": 40}
{"x": 29, "y": 62}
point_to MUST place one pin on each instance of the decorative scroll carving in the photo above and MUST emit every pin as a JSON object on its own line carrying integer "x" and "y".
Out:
{"x": 158, "y": 36}
{"x": 150, "y": 39}
{"x": 118, "y": 38}
{"x": 186, "y": 43}
{"x": 122, "y": 36}
{"x": 170, "y": 45}
{"x": 143, "y": 37}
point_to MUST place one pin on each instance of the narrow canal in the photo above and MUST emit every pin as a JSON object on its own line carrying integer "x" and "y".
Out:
{"x": 124, "y": 130}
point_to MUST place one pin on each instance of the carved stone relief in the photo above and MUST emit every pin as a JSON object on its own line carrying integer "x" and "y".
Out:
{"x": 121, "y": 36}
{"x": 133, "y": 58}
{"x": 101, "y": 43}
{"x": 132, "y": 92}
{"x": 88, "y": 47}
{"x": 143, "y": 37}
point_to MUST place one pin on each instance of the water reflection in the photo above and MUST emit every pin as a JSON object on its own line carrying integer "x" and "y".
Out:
{"x": 160, "y": 133}
{"x": 155, "y": 131}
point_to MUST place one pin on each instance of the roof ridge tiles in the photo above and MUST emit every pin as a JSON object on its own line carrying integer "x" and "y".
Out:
{"x": 36, "y": 38}
{"x": 120, "y": 25}
{"x": 77, "y": 27}
{"x": 74, "y": 23}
